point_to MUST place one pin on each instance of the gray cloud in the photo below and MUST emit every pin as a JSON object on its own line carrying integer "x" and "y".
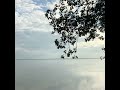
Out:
{"x": 35, "y": 44}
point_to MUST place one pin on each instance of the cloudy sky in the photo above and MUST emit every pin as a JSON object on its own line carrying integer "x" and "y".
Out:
{"x": 33, "y": 38}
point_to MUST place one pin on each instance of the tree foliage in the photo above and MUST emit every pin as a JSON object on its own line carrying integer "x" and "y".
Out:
{"x": 72, "y": 19}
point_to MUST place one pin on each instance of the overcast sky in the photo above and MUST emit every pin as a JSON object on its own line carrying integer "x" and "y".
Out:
{"x": 33, "y": 38}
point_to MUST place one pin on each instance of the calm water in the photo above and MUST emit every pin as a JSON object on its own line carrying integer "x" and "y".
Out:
{"x": 60, "y": 75}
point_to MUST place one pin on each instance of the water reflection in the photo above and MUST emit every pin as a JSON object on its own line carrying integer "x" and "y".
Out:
{"x": 60, "y": 75}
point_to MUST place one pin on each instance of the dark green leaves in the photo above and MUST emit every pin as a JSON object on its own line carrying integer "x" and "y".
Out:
{"x": 56, "y": 42}
{"x": 82, "y": 18}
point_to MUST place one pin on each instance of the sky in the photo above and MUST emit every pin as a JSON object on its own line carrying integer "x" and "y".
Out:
{"x": 33, "y": 38}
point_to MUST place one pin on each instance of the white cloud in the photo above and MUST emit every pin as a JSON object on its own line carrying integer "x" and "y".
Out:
{"x": 29, "y": 16}
{"x": 50, "y": 5}
{"x": 94, "y": 43}
{"x": 21, "y": 49}
{"x": 35, "y": 53}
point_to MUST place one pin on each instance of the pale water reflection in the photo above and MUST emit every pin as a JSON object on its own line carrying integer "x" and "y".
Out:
{"x": 60, "y": 75}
